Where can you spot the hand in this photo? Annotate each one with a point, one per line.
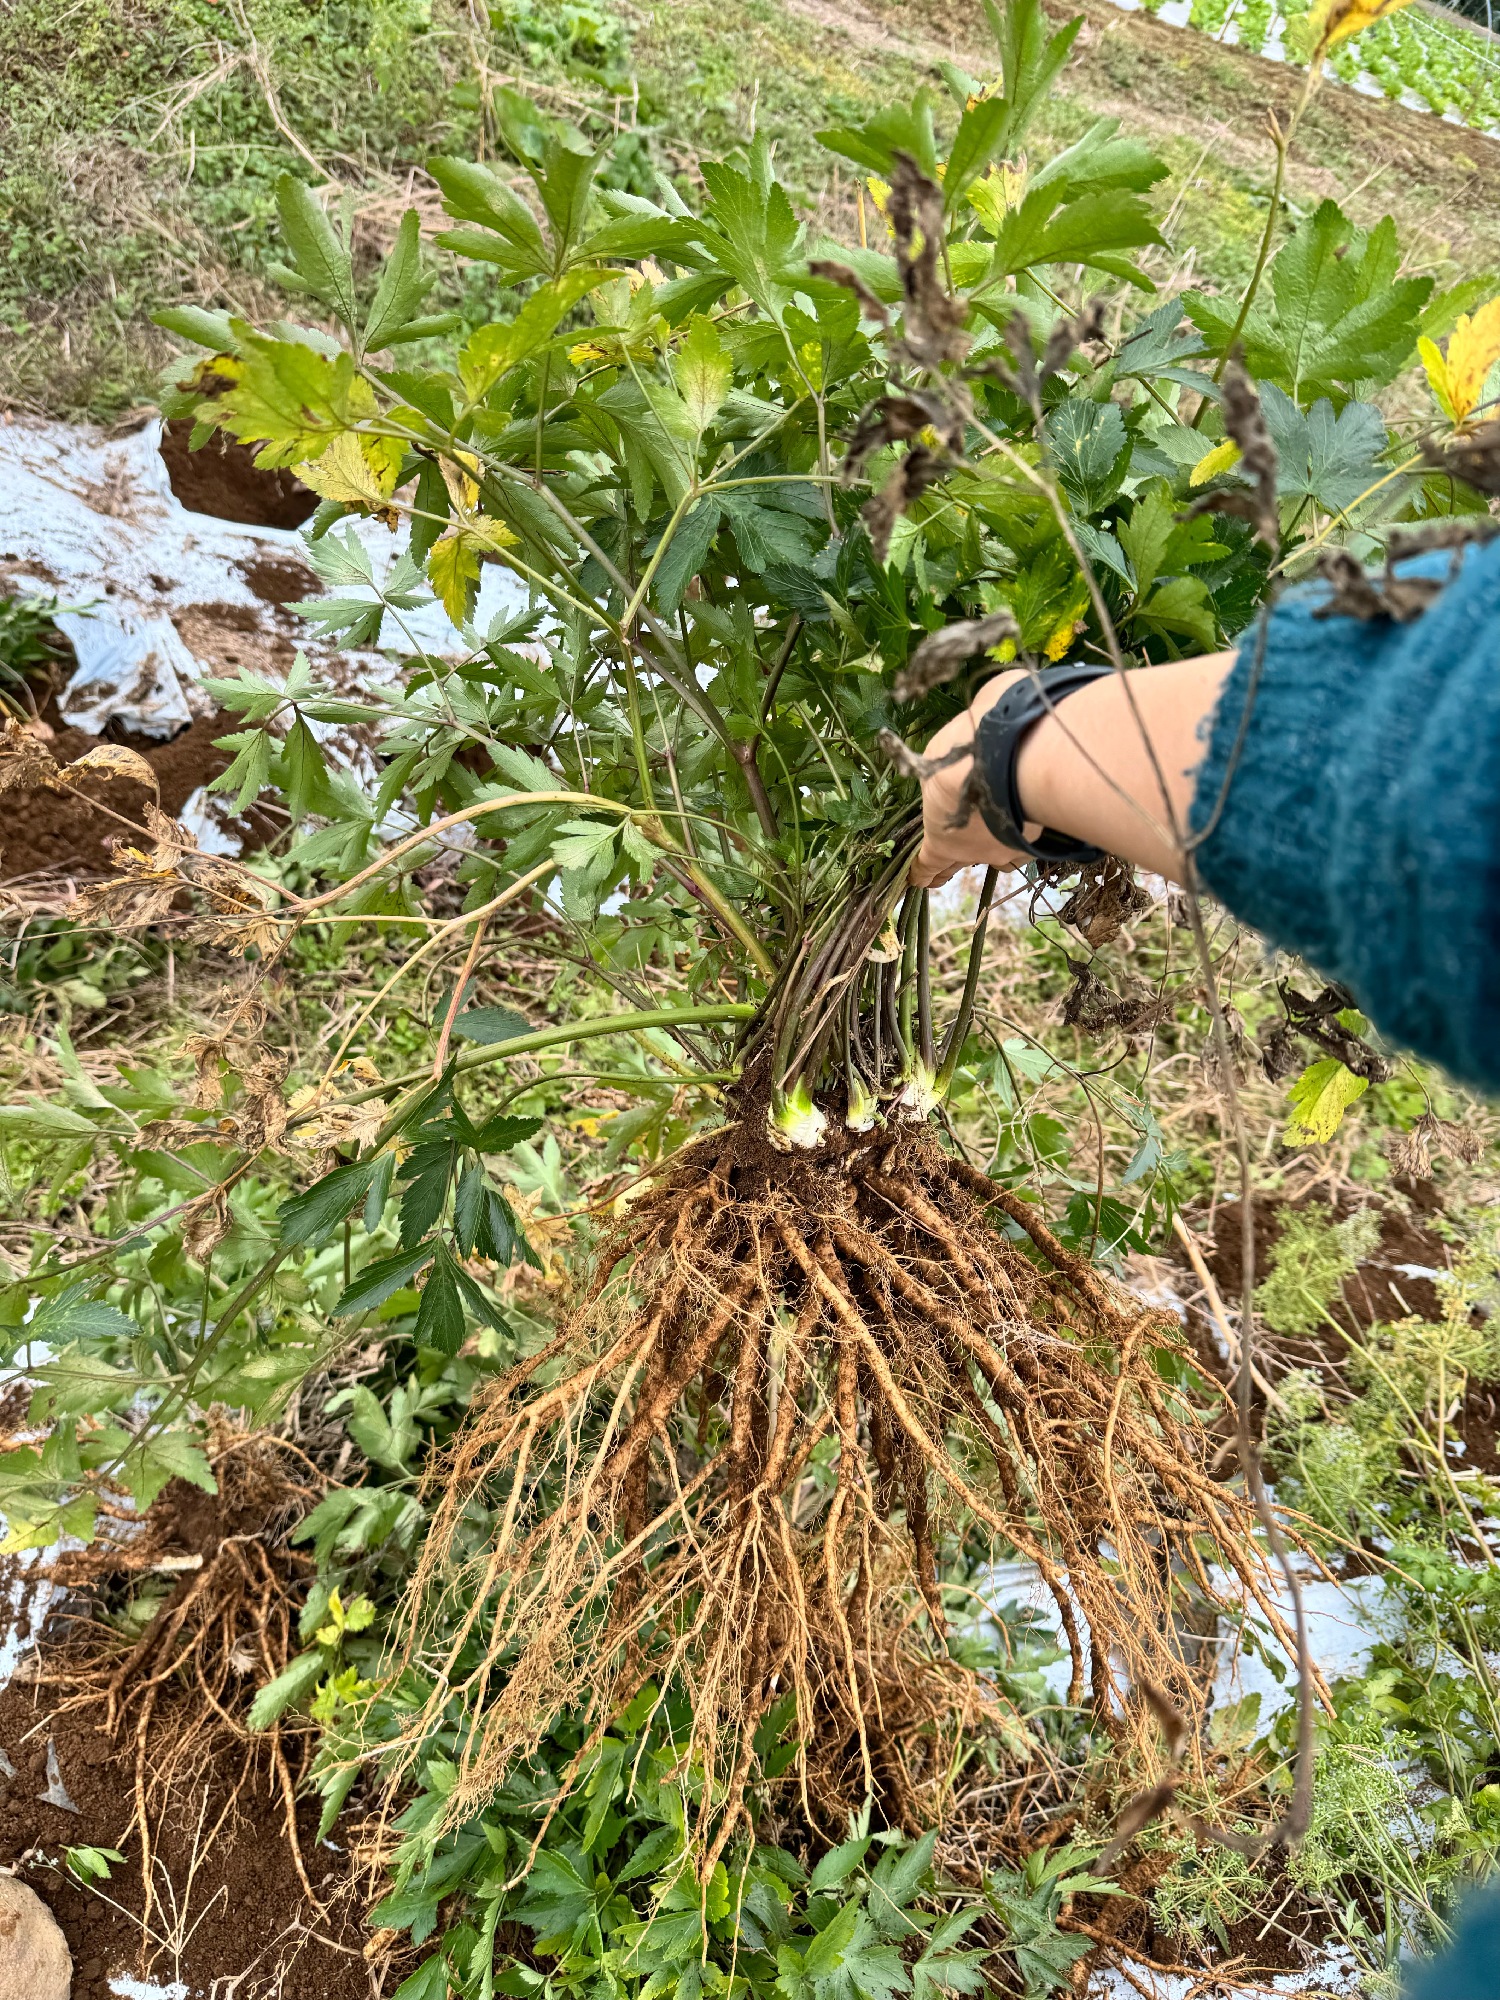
(945, 849)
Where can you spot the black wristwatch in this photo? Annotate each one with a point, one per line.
(997, 744)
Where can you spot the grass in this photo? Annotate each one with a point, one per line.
(141, 140)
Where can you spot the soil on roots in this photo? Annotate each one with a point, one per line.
(145, 1731)
(793, 1380)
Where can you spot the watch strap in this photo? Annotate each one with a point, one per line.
(997, 746)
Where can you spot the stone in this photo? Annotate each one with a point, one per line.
(35, 1963)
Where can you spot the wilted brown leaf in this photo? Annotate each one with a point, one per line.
(943, 654)
(26, 764)
(112, 760)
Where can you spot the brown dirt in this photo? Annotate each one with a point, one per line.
(280, 579)
(255, 1915)
(223, 480)
(227, 1900)
(52, 834)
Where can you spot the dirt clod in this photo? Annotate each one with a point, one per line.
(35, 1963)
(223, 480)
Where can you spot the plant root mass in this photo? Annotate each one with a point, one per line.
(792, 1382)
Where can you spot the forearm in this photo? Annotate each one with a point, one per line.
(1117, 764)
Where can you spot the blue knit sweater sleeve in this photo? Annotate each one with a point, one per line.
(1351, 794)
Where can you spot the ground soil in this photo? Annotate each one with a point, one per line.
(227, 1909)
(55, 836)
(239, 1906)
(223, 479)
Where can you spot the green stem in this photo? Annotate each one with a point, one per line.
(958, 1034)
(556, 1037)
(924, 979)
(908, 993)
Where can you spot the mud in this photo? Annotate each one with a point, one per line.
(223, 480)
(51, 835)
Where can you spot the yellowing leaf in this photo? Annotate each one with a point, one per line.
(354, 470)
(1002, 189)
(1061, 638)
(1336, 20)
(704, 371)
(1319, 1099)
(453, 571)
(463, 487)
(115, 761)
(453, 564)
(1457, 379)
(1223, 458)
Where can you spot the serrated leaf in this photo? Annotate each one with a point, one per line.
(402, 286)
(45, 1121)
(377, 1281)
(292, 1685)
(440, 1316)
(1319, 1098)
(355, 470)
(1458, 377)
(1088, 443)
(73, 1316)
(323, 260)
(703, 371)
(1332, 460)
(326, 1203)
(491, 1024)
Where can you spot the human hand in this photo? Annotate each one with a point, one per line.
(945, 848)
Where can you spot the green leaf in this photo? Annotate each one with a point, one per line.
(293, 1685)
(323, 260)
(475, 194)
(163, 1457)
(492, 351)
(214, 330)
(1091, 451)
(1051, 226)
(440, 1316)
(325, 1204)
(899, 129)
(1031, 58)
(36, 1120)
(703, 371)
(1337, 312)
(840, 1862)
(376, 1282)
(1332, 460)
(686, 553)
(388, 1440)
(402, 286)
(488, 1025)
(428, 1982)
(1319, 1098)
(72, 1315)
(981, 132)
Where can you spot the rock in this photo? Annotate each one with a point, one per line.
(34, 1960)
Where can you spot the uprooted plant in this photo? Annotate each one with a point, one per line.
(760, 500)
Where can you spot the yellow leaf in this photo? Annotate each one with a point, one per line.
(354, 470)
(1473, 350)
(1336, 20)
(1061, 638)
(1319, 1098)
(458, 477)
(1436, 365)
(453, 564)
(1223, 458)
(115, 761)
